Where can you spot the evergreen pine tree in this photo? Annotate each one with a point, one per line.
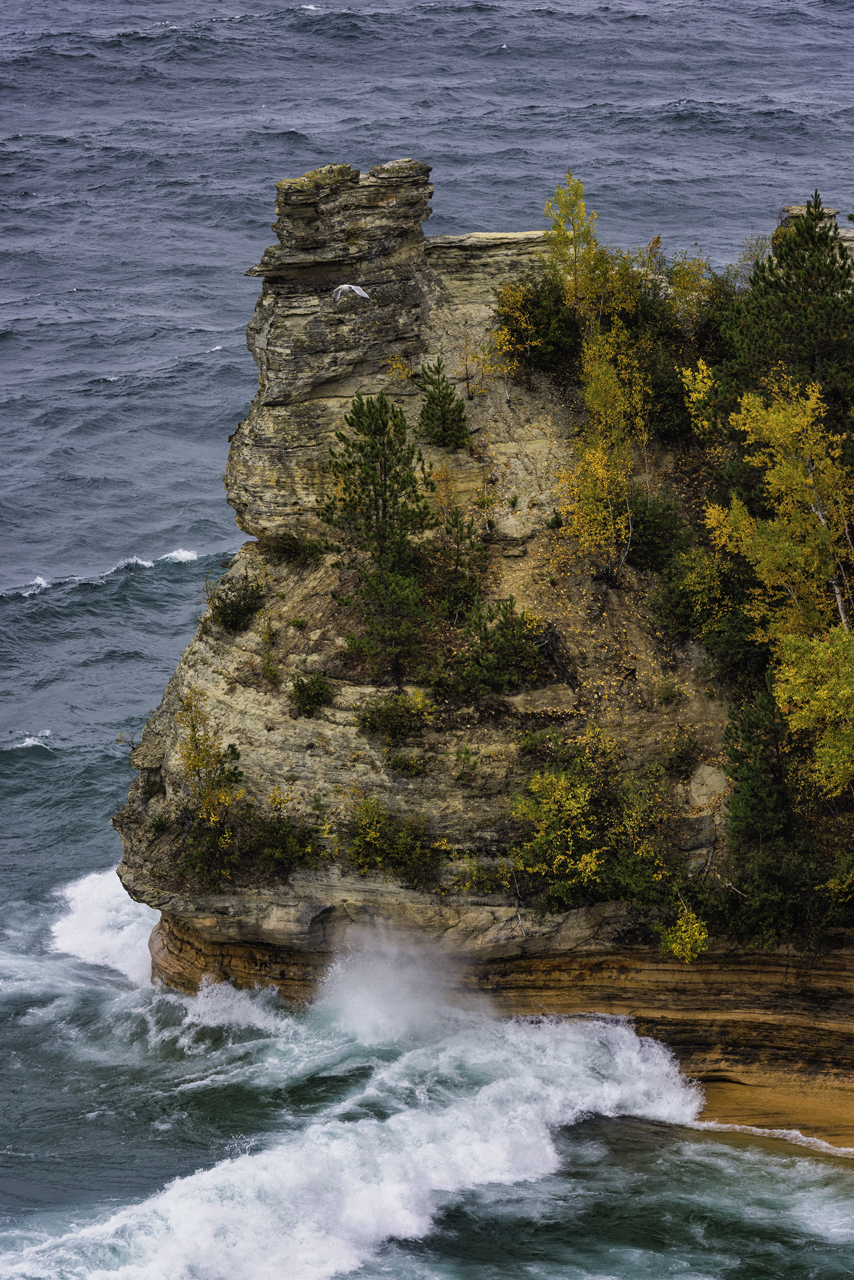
(798, 311)
(753, 745)
(378, 502)
(443, 414)
(376, 507)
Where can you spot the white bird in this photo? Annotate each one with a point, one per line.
(349, 288)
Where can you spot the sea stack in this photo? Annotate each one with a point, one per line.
(748, 1016)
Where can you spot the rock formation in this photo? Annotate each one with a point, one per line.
(730, 1014)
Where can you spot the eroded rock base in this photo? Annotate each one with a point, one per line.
(762, 1020)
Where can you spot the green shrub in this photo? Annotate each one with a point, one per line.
(668, 693)
(395, 717)
(705, 596)
(308, 694)
(293, 548)
(592, 832)
(543, 330)
(443, 415)
(158, 826)
(279, 840)
(453, 564)
(658, 532)
(233, 602)
(548, 744)
(467, 763)
(270, 672)
(381, 841)
(755, 748)
(409, 766)
(784, 891)
(683, 752)
(499, 652)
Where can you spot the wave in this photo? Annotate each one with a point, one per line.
(38, 584)
(180, 556)
(793, 1136)
(103, 926)
(34, 740)
(455, 1101)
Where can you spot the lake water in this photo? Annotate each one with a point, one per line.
(382, 1133)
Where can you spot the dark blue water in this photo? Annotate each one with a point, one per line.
(140, 145)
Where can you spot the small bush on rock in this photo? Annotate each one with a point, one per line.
(233, 602)
(657, 529)
(396, 717)
(499, 652)
(382, 841)
(308, 694)
(293, 548)
(592, 832)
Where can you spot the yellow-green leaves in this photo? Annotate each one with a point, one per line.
(556, 807)
(571, 239)
(688, 937)
(594, 503)
(815, 689)
(799, 551)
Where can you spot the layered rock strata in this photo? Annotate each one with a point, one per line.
(728, 1014)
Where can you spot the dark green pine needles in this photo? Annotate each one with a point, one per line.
(377, 503)
(799, 312)
(376, 507)
(443, 414)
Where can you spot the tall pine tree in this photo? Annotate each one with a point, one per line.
(799, 312)
(379, 479)
(754, 738)
(377, 505)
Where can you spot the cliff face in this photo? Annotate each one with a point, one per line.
(726, 1013)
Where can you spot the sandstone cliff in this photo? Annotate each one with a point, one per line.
(727, 1013)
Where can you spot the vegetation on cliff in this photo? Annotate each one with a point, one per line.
(749, 374)
(747, 549)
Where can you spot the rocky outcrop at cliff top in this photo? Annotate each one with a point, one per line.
(431, 297)
(336, 226)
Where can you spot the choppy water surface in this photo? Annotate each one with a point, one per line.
(384, 1132)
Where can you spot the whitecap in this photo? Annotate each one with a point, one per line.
(210, 349)
(180, 556)
(145, 564)
(38, 584)
(103, 926)
(34, 740)
(793, 1136)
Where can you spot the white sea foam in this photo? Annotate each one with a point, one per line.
(470, 1100)
(793, 1136)
(180, 556)
(34, 740)
(38, 584)
(145, 564)
(104, 926)
(389, 992)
